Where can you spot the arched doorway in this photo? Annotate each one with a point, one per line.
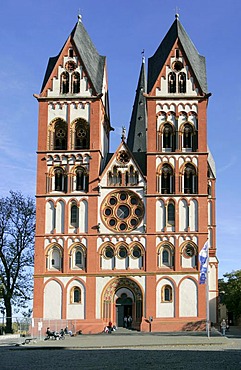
(123, 309)
(122, 296)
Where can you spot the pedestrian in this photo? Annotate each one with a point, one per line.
(223, 326)
(125, 322)
(129, 321)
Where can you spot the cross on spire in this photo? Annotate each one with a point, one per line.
(123, 136)
(143, 55)
(79, 16)
(177, 12)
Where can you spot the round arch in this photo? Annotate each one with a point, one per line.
(121, 297)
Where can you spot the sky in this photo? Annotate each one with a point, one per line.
(32, 31)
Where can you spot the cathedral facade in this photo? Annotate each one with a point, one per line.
(119, 234)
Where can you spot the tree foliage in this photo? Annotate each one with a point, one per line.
(230, 291)
(17, 228)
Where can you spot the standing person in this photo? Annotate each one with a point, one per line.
(223, 326)
(129, 321)
(110, 327)
(125, 322)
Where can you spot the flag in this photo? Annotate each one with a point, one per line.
(203, 258)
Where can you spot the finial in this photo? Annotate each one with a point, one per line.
(143, 55)
(177, 14)
(123, 136)
(79, 16)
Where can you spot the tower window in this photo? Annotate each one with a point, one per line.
(60, 136)
(171, 214)
(74, 215)
(82, 179)
(60, 180)
(71, 53)
(182, 82)
(172, 82)
(75, 83)
(190, 179)
(64, 83)
(177, 53)
(82, 134)
(168, 137)
(167, 180)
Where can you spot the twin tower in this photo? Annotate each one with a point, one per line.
(119, 234)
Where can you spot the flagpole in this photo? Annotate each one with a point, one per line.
(207, 295)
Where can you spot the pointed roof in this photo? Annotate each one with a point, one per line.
(93, 62)
(157, 61)
(136, 140)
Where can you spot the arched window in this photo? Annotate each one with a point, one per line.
(108, 252)
(167, 180)
(64, 83)
(60, 180)
(82, 179)
(168, 137)
(166, 293)
(190, 179)
(75, 295)
(189, 138)
(166, 256)
(132, 177)
(78, 258)
(54, 259)
(75, 83)
(136, 252)
(82, 135)
(171, 214)
(74, 215)
(122, 252)
(172, 82)
(60, 135)
(182, 82)
(114, 177)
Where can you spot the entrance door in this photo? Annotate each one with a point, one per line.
(123, 308)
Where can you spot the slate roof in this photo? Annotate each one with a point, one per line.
(211, 163)
(136, 139)
(157, 61)
(93, 62)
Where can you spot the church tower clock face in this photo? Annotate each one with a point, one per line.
(122, 211)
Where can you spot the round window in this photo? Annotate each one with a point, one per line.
(122, 211)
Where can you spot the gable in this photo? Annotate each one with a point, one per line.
(121, 165)
(88, 64)
(158, 60)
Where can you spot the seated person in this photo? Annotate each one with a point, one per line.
(66, 331)
(51, 333)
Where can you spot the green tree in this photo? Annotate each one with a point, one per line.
(17, 229)
(230, 291)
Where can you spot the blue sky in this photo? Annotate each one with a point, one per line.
(32, 31)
